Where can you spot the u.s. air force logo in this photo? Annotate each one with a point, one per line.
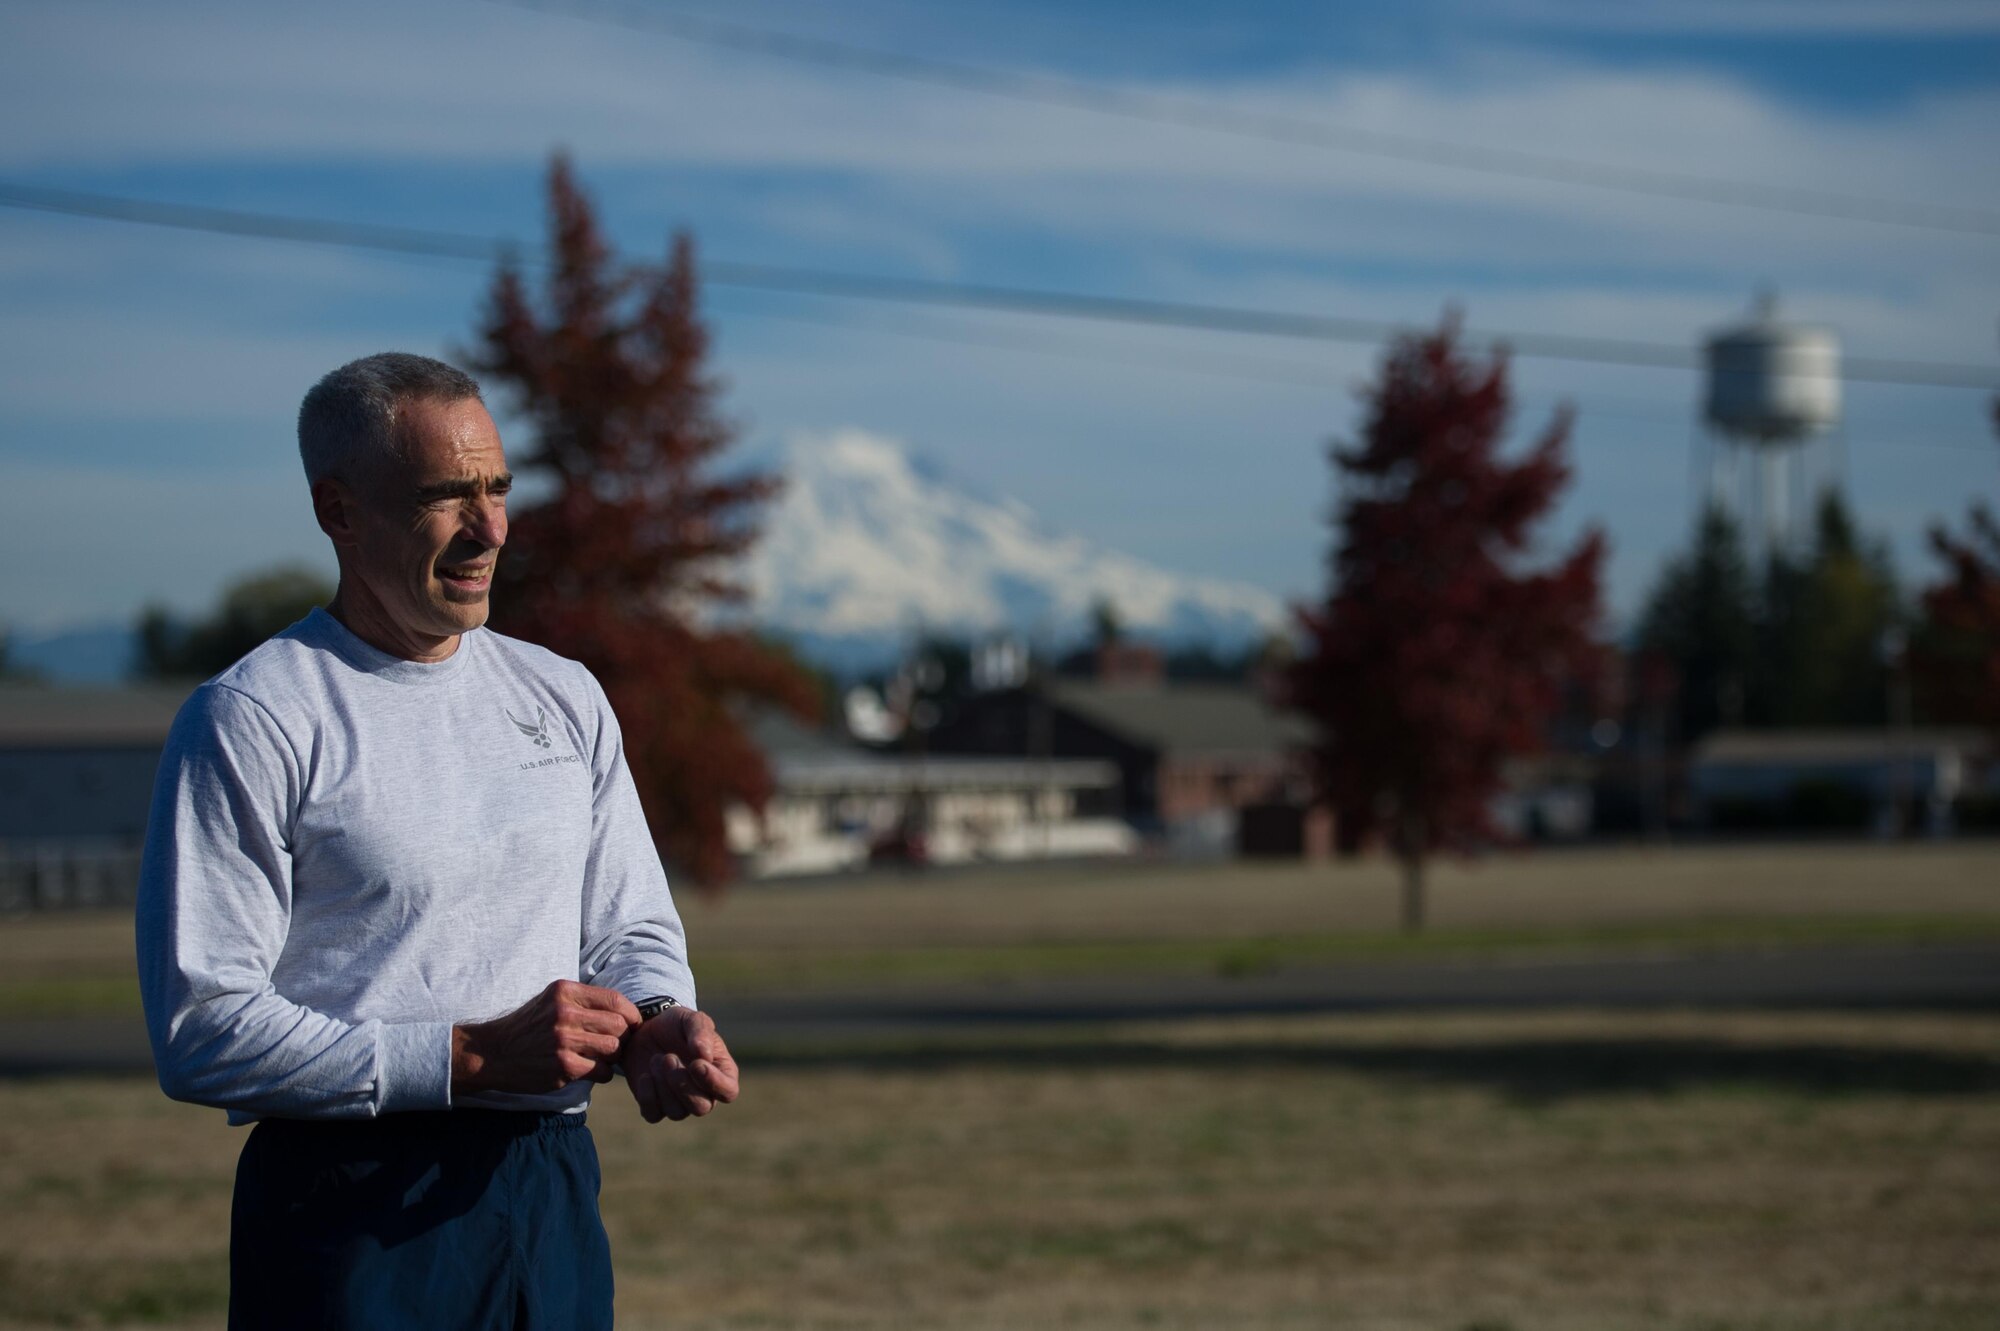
(538, 732)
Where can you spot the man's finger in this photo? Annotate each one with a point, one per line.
(680, 1085)
(716, 1079)
(604, 1000)
(671, 1104)
(594, 1044)
(596, 1019)
(647, 1092)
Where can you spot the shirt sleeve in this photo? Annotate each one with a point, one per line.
(633, 940)
(214, 910)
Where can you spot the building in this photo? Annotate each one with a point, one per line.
(76, 780)
(1189, 757)
(839, 806)
(1885, 779)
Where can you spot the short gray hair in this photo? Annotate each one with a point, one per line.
(347, 423)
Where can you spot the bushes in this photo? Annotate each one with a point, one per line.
(1816, 804)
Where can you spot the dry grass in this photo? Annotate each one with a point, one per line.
(1447, 1172)
(1559, 890)
(1560, 1171)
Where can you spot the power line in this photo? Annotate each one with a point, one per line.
(1216, 117)
(916, 291)
(1589, 410)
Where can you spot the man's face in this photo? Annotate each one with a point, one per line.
(429, 528)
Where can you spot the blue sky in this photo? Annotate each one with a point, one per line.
(148, 378)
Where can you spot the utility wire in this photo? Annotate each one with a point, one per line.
(1216, 117)
(1590, 411)
(916, 291)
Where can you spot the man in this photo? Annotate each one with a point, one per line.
(399, 907)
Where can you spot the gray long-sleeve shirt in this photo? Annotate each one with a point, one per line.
(349, 853)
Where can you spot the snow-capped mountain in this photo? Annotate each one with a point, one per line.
(868, 543)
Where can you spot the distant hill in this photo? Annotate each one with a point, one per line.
(869, 542)
(91, 655)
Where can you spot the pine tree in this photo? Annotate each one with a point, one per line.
(1701, 619)
(1438, 652)
(625, 563)
(1823, 621)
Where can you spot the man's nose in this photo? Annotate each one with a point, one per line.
(486, 521)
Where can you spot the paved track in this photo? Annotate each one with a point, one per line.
(1940, 978)
(1934, 978)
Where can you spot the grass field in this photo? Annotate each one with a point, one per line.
(1125, 918)
(1452, 1173)
(1444, 1172)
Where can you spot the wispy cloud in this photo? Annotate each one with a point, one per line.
(1881, 17)
(412, 114)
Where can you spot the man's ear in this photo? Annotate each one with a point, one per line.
(334, 508)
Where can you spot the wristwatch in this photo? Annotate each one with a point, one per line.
(653, 1007)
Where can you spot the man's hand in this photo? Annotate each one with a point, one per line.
(678, 1065)
(566, 1033)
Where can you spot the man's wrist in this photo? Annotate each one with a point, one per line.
(648, 1010)
(466, 1060)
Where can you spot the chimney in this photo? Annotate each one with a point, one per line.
(1130, 664)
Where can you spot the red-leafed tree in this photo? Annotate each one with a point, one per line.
(1956, 656)
(1438, 652)
(624, 563)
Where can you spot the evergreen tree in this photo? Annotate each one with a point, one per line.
(1799, 647)
(1823, 623)
(625, 564)
(1701, 620)
(1438, 653)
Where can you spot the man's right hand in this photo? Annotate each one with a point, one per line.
(566, 1033)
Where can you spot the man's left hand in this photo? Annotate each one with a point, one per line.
(677, 1065)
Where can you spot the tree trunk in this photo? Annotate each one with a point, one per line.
(1413, 892)
(1412, 845)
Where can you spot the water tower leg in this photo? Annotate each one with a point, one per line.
(1721, 479)
(1699, 468)
(1777, 515)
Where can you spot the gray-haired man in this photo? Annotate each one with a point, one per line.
(400, 907)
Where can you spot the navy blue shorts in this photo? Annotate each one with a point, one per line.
(469, 1218)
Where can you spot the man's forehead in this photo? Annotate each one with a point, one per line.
(450, 440)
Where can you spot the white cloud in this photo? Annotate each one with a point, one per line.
(101, 323)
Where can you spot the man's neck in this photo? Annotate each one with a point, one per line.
(363, 616)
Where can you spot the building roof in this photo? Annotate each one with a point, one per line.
(1816, 747)
(35, 716)
(1186, 719)
(785, 738)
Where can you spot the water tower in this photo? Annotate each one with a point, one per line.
(1773, 388)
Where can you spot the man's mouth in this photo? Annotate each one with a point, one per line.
(466, 577)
